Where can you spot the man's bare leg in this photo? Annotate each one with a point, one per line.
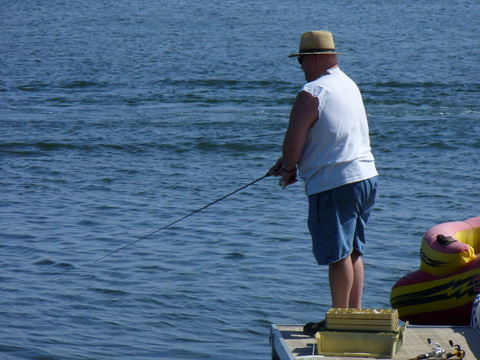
(346, 282)
(355, 300)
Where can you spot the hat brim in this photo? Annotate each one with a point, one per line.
(318, 53)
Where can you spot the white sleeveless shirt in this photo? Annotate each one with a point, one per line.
(337, 150)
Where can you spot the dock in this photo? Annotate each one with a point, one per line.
(289, 343)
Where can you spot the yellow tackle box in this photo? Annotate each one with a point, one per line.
(362, 319)
(369, 333)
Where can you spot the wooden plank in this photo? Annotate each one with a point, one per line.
(280, 349)
(298, 345)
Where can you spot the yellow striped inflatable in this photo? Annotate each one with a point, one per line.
(442, 291)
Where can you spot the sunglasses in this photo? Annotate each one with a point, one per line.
(300, 60)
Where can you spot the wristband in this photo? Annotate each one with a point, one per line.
(289, 171)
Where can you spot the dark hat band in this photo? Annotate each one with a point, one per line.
(315, 50)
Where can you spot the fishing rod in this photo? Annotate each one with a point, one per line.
(182, 218)
(438, 353)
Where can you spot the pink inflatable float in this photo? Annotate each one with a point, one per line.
(443, 290)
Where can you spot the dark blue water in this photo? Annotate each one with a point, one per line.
(119, 117)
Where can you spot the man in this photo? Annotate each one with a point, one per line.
(328, 141)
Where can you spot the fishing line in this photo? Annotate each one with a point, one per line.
(182, 218)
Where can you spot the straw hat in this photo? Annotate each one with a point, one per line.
(316, 43)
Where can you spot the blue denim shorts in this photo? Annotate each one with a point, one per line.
(337, 220)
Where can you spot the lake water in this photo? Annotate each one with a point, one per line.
(119, 117)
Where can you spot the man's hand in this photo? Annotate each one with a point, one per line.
(288, 177)
(277, 168)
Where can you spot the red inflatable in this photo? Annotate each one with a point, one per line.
(442, 291)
